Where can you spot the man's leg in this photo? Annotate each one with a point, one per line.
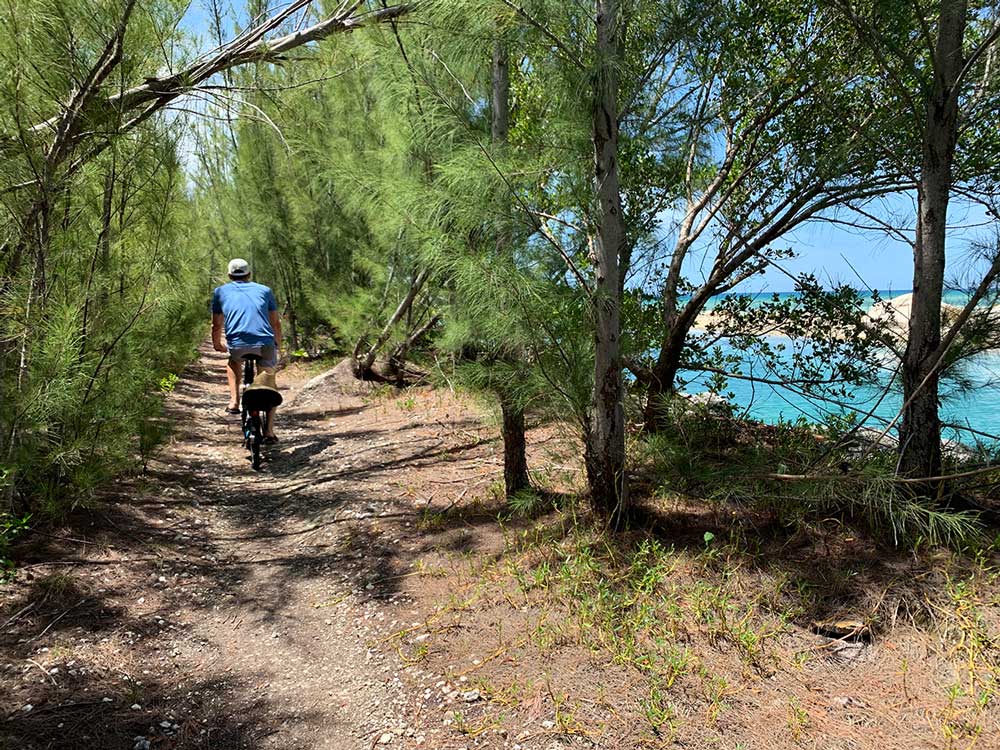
(233, 373)
(270, 422)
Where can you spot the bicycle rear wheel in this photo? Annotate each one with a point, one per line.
(246, 418)
(256, 441)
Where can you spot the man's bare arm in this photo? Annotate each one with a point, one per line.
(276, 327)
(217, 342)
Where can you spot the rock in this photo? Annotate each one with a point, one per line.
(548, 724)
(705, 398)
(135, 707)
(957, 450)
(471, 696)
(141, 743)
(339, 380)
(386, 738)
(26, 707)
(708, 402)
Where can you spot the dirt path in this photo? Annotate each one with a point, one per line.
(226, 609)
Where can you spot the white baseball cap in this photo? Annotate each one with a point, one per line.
(239, 267)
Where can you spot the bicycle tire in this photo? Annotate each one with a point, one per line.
(256, 441)
(255, 457)
(246, 419)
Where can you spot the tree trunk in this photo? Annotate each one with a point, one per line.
(920, 430)
(100, 260)
(363, 364)
(605, 449)
(293, 324)
(515, 459)
(500, 123)
(397, 360)
(676, 327)
(663, 374)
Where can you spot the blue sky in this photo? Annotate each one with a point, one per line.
(872, 258)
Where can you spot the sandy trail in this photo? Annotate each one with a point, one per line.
(222, 608)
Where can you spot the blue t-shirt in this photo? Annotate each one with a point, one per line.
(245, 306)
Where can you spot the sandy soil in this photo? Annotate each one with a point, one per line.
(894, 313)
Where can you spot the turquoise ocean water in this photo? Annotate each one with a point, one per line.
(977, 406)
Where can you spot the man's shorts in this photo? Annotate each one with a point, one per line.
(268, 355)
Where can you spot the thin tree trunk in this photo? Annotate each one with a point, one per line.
(293, 325)
(920, 430)
(363, 364)
(397, 360)
(663, 375)
(605, 449)
(500, 123)
(99, 261)
(515, 460)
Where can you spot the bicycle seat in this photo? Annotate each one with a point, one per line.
(252, 357)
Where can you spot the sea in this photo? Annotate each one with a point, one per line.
(971, 408)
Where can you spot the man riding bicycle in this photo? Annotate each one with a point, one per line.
(249, 313)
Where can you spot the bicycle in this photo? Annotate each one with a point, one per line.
(256, 403)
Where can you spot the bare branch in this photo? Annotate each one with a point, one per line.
(240, 52)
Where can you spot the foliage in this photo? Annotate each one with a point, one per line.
(99, 279)
(11, 527)
(800, 472)
(819, 341)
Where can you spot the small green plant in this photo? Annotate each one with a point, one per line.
(168, 382)
(526, 503)
(55, 584)
(134, 691)
(659, 711)
(798, 718)
(11, 527)
(419, 653)
(716, 690)
(471, 729)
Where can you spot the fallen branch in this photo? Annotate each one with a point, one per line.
(899, 480)
(236, 53)
(17, 616)
(49, 626)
